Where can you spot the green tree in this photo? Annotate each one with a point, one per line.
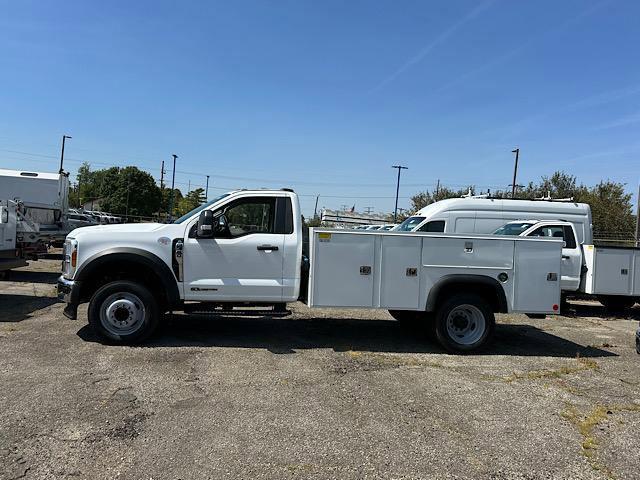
(193, 199)
(422, 199)
(128, 190)
(611, 210)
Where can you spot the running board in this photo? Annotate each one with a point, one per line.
(217, 310)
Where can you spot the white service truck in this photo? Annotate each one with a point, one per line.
(11, 254)
(43, 204)
(242, 254)
(609, 273)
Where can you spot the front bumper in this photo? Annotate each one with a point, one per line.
(68, 292)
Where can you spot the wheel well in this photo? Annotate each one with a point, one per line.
(492, 293)
(123, 270)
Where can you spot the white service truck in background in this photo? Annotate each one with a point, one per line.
(11, 255)
(40, 204)
(609, 273)
(242, 254)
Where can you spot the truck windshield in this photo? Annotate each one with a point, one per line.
(409, 224)
(200, 208)
(515, 228)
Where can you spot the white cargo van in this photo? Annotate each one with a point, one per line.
(485, 215)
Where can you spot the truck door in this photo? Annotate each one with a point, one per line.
(571, 265)
(242, 264)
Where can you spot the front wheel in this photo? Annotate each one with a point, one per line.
(464, 322)
(123, 311)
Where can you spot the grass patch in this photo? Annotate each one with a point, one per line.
(586, 425)
(392, 360)
(583, 364)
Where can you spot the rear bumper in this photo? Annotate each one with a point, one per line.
(68, 292)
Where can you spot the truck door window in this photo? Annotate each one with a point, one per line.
(253, 215)
(552, 231)
(569, 237)
(433, 226)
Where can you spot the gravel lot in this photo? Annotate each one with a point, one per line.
(321, 394)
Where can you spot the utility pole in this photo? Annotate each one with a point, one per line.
(438, 188)
(173, 182)
(315, 209)
(78, 185)
(126, 211)
(162, 176)
(514, 185)
(638, 218)
(395, 211)
(64, 137)
(206, 191)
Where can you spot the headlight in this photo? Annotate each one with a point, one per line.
(70, 258)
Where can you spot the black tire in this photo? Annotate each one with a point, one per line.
(617, 303)
(126, 299)
(475, 321)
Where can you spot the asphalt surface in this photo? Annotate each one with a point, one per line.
(321, 394)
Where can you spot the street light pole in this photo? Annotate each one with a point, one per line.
(206, 192)
(173, 181)
(64, 137)
(514, 185)
(395, 210)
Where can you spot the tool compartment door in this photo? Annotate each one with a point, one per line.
(537, 276)
(342, 269)
(613, 271)
(400, 272)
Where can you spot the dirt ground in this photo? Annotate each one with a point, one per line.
(321, 394)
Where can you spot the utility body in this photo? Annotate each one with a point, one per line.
(242, 254)
(609, 273)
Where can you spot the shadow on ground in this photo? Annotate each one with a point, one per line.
(26, 276)
(282, 336)
(51, 256)
(15, 308)
(592, 309)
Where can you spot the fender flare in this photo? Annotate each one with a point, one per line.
(467, 279)
(133, 255)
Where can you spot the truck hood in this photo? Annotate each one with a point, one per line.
(123, 228)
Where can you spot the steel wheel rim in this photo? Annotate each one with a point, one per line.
(122, 313)
(466, 324)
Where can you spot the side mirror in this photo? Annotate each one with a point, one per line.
(222, 224)
(4, 215)
(205, 224)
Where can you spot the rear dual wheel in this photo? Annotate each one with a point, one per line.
(464, 323)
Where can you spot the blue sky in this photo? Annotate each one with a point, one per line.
(324, 96)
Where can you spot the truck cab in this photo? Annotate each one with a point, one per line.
(243, 246)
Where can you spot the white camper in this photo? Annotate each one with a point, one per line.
(485, 215)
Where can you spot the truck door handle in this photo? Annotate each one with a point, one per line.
(267, 247)
(566, 257)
